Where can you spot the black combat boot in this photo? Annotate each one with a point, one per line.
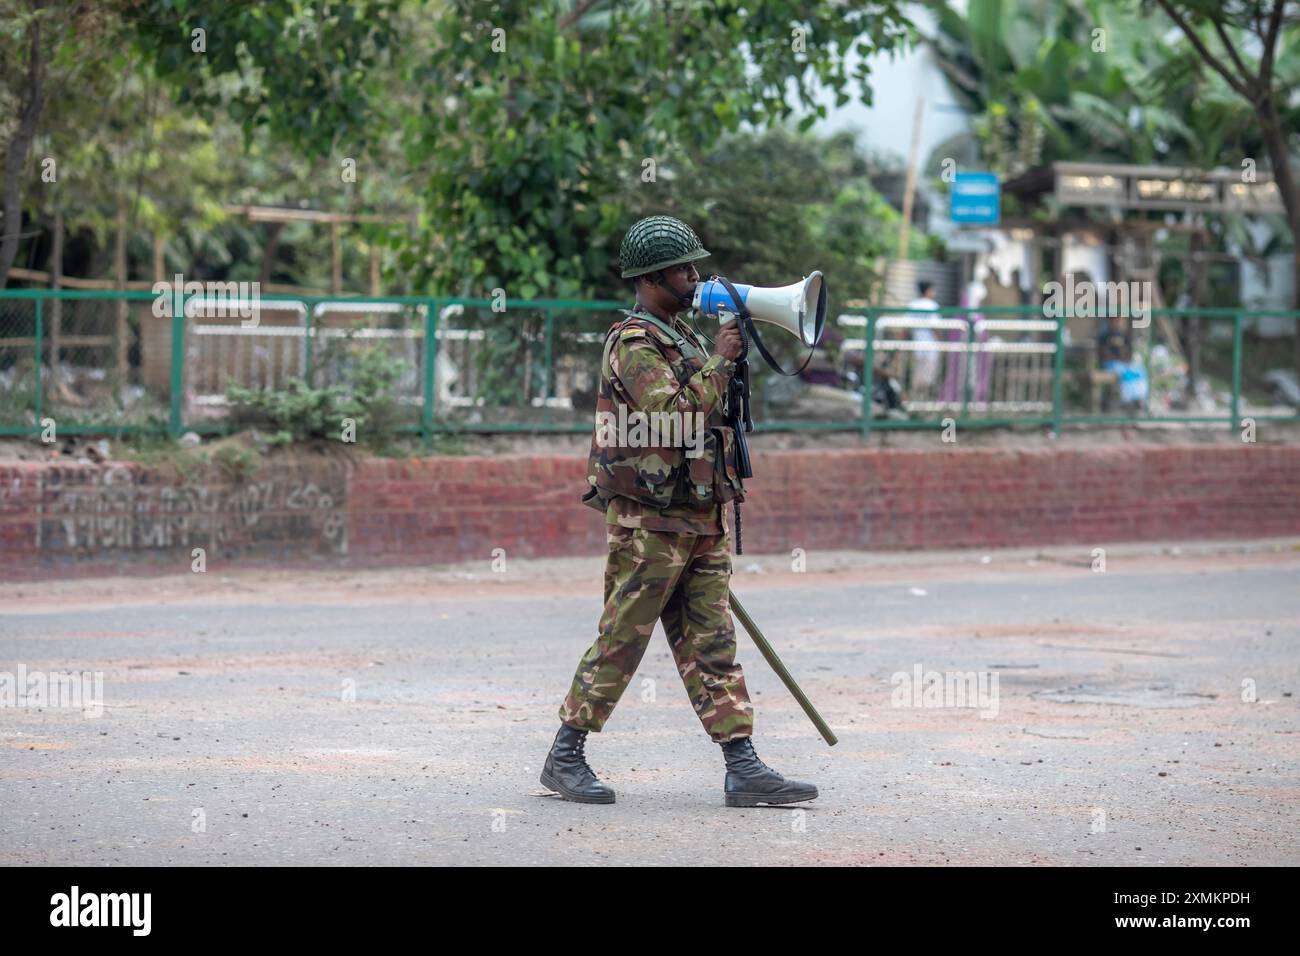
(751, 782)
(566, 771)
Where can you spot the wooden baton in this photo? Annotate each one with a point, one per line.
(776, 665)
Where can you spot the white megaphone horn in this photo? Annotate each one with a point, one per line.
(799, 308)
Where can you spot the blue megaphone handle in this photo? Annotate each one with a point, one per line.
(714, 296)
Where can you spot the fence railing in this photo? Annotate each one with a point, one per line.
(122, 362)
(1020, 366)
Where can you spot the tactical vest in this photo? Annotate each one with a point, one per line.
(660, 475)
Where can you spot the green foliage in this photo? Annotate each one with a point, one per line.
(1096, 80)
(773, 207)
(770, 207)
(518, 151)
(541, 126)
(296, 413)
(300, 412)
(237, 461)
(310, 70)
(159, 450)
(1058, 79)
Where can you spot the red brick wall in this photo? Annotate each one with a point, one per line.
(62, 519)
(455, 509)
(68, 519)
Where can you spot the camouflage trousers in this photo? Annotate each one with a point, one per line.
(683, 581)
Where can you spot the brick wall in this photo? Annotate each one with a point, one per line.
(67, 519)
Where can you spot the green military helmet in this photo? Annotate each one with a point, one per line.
(657, 242)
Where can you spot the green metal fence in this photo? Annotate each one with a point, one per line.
(135, 362)
(1079, 366)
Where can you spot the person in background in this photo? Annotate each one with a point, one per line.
(954, 380)
(925, 362)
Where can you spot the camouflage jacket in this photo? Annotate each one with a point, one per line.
(662, 454)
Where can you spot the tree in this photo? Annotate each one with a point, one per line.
(776, 206)
(545, 114)
(47, 47)
(1251, 45)
(522, 125)
(316, 87)
(312, 71)
(1052, 79)
(522, 122)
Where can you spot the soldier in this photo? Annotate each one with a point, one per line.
(664, 504)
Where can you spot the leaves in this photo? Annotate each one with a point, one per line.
(566, 141)
(310, 69)
(1120, 104)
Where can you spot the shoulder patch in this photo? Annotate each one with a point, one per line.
(658, 334)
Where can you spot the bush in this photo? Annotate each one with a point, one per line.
(300, 412)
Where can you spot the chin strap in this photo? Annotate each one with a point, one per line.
(684, 299)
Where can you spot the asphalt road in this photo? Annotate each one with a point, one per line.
(402, 717)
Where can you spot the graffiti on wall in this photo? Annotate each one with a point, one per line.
(120, 508)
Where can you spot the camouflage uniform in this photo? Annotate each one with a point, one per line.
(669, 544)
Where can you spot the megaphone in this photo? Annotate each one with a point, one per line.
(799, 308)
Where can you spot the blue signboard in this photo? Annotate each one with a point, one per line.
(977, 198)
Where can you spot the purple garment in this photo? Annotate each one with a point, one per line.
(954, 379)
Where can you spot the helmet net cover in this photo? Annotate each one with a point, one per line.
(657, 242)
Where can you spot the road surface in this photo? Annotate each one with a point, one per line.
(1144, 714)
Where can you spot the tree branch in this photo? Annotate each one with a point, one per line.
(1232, 51)
(1270, 44)
(576, 14)
(1237, 84)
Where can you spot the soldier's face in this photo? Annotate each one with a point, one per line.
(682, 279)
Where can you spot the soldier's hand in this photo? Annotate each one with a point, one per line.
(727, 344)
